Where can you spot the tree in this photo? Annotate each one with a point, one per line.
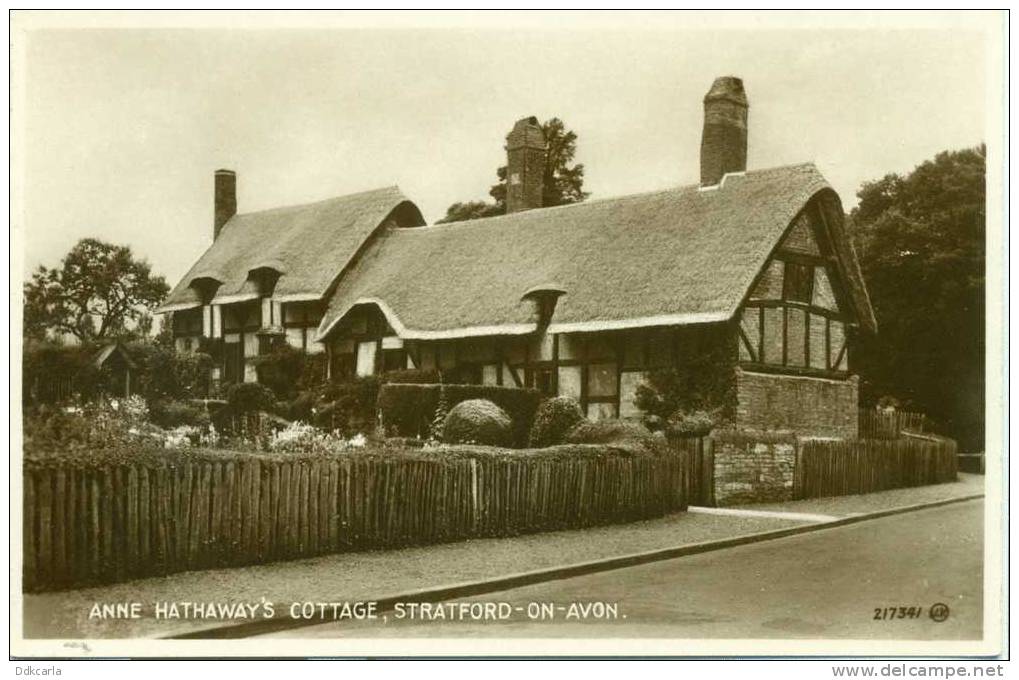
(98, 292)
(921, 244)
(563, 183)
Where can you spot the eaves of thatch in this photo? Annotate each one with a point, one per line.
(309, 245)
(678, 256)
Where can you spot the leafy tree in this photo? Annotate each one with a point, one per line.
(921, 241)
(97, 292)
(563, 183)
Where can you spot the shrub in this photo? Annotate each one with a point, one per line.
(404, 407)
(610, 432)
(412, 376)
(704, 381)
(407, 409)
(348, 406)
(692, 424)
(477, 421)
(249, 398)
(171, 413)
(553, 420)
(281, 369)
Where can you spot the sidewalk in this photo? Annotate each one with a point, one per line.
(373, 575)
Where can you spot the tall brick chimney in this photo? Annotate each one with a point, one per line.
(724, 140)
(525, 165)
(224, 200)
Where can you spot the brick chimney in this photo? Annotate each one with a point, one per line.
(225, 200)
(525, 165)
(724, 140)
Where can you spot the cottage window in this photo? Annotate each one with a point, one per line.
(799, 282)
(570, 381)
(394, 359)
(601, 380)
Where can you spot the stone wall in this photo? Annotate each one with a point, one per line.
(805, 406)
(753, 468)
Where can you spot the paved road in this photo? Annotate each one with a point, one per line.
(826, 584)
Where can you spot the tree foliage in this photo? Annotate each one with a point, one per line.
(99, 291)
(921, 242)
(563, 182)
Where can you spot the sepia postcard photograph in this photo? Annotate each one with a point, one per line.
(514, 334)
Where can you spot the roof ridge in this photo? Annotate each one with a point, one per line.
(308, 204)
(605, 199)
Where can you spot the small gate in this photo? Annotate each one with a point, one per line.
(700, 469)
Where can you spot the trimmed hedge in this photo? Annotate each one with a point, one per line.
(553, 421)
(407, 409)
(477, 421)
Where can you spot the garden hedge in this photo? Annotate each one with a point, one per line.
(407, 409)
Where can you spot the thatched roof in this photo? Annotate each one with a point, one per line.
(309, 245)
(678, 256)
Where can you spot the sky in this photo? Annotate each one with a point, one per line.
(124, 128)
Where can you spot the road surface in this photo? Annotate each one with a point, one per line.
(826, 584)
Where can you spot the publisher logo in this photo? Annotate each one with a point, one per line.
(939, 612)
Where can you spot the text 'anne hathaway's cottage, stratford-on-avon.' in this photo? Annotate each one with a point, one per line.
(577, 300)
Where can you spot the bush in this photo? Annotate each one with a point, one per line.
(169, 413)
(692, 424)
(412, 376)
(610, 432)
(250, 397)
(553, 420)
(704, 381)
(348, 407)
(405, 408)
(477, 421)
(281, 369)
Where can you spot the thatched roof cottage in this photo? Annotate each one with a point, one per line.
(580, 300)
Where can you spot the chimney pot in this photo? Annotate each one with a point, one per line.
(724, 139)
(525, 165)
(224, 200)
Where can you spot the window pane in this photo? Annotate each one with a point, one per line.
(570, 381)
(795, 337)
(799, 280)
(601, 380)
(772, 348)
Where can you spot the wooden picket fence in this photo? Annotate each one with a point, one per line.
(87, 524)
(837, 468)
(874, 424)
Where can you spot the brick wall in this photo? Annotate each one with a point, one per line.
(753, 469)
(805, 406)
